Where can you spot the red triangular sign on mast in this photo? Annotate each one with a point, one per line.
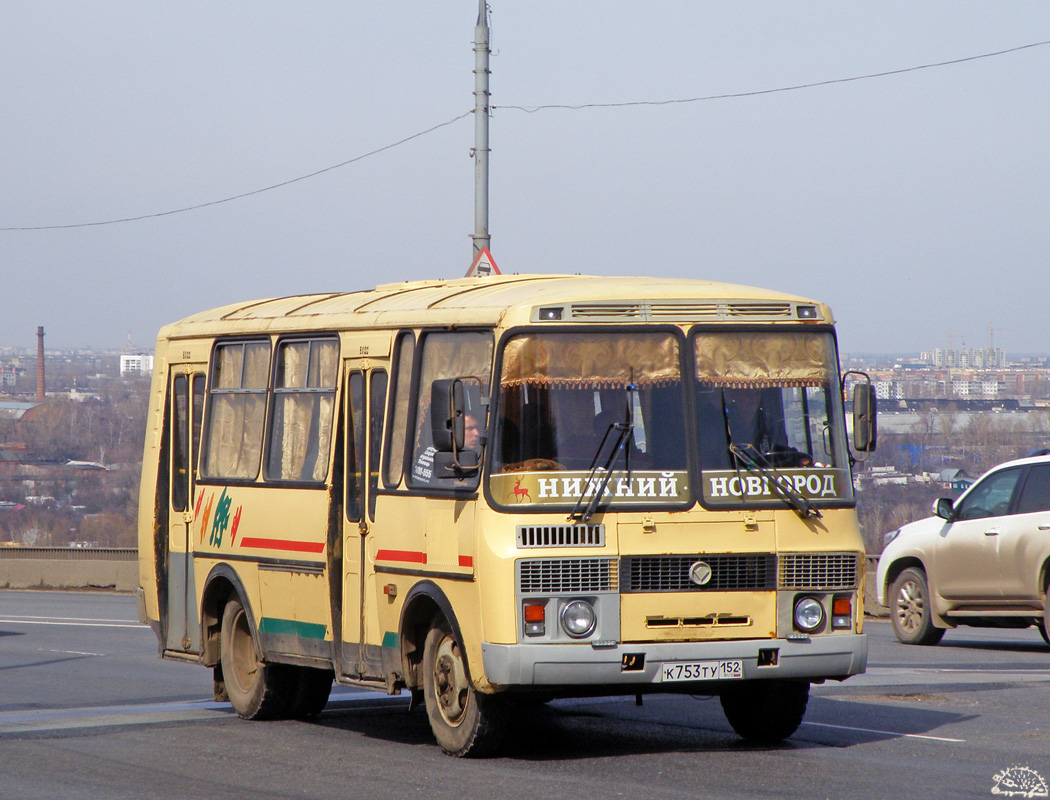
(483, 265)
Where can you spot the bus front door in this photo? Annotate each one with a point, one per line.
(365, 408)
(186, 404)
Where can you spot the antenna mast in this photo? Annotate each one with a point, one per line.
(481, 131)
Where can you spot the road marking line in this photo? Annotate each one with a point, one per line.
(75, 619)
(10, 621)
(69, 652)
(886, 733)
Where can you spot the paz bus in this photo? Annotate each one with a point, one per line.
(507, 488)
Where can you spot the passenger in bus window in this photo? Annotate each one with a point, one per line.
(423, 469)
(755, 423)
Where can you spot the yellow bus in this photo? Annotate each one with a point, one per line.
(506, 487)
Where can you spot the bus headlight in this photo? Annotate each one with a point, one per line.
(578, 619)
(809, 614)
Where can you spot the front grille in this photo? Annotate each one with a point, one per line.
(561, 535)
(729, 572)
(566, 575)
(819, 571)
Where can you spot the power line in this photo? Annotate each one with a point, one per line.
(793, 88)
(530, 110)
(245, 194)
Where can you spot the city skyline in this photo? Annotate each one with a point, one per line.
(887, 159)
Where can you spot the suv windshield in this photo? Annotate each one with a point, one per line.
(562, 394)
(768, 409)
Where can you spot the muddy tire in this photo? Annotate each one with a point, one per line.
(464, 722)
(308, 690)
(910, 609)
(766, 711)
(254, 687)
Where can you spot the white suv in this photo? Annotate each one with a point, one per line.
(983, 560)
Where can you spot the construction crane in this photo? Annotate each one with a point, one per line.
(991, 335)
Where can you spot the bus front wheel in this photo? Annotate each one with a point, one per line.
(766, 711)
(465, 723)
(253, 686)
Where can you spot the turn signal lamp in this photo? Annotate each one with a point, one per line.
(535, 615)
(842, 612)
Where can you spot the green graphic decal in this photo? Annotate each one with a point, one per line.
(222, 520)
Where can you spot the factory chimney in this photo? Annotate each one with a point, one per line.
(40, 364)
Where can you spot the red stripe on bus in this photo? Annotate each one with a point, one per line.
(283, 544)
(412, 556)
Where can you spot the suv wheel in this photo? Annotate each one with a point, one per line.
(910, 609)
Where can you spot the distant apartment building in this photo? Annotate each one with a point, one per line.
(972, 358)
(136, 364)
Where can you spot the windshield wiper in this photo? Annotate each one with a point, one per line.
(619, 434)
(791, 496)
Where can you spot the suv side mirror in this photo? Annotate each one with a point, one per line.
(447, 424)
(944, 508)
(865, 419)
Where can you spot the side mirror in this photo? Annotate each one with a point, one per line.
(865, 418)
(944, 508)
(446, 415)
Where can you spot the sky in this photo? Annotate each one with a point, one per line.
(915, 204)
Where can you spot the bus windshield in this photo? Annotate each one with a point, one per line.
(768, 420)
(769, 415)
(563, 394)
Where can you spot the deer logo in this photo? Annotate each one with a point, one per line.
(521, 492)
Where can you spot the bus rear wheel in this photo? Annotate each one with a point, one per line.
(253, 686)
(308, 690)
(464, 722)
(766, 711)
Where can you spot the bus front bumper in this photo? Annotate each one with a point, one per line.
(835, 656)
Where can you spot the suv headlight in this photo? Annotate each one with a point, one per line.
(889, 537)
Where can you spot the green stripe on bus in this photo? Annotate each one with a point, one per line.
(291, 627)
(389, 639)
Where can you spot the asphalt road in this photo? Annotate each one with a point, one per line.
(87, 710)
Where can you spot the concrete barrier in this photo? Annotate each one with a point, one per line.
(116, 569)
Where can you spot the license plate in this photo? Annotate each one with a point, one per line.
(701, 670)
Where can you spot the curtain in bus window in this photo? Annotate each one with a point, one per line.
(561, 393)
(594, 360)
(755, 359)
(238, 409)
(304, 401)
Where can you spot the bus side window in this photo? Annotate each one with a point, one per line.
(355, 446)
(303, 406)
(397, 433)
(465, 355)
(233, 434)
(180, 444)
(376, 410)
